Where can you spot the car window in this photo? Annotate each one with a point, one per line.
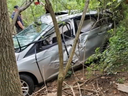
(43, 43)
(37, 47)
(49, 39)
(28, 35)
(65, 31)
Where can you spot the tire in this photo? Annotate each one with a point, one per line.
(27, 84)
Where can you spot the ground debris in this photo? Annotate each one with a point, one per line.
(122, 87)
(101, 85)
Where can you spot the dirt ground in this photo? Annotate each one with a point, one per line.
(82, 84)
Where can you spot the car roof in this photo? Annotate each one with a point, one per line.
(62, 17)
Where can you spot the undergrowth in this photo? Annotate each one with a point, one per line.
(115, 58)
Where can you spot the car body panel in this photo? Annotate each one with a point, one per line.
(28, 65)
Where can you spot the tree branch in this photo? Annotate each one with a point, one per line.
(60, 77)
(76, 39)
(20, 10)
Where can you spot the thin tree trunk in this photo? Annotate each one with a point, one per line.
(62, 73)
(76, 38)
(9, 79)
(60, 77)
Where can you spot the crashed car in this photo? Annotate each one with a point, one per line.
(36, 47)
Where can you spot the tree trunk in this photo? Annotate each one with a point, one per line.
(62, 72)
(68, 65)
(126, 1)
(60, 77)
(9, 78)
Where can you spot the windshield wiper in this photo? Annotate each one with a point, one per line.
(18, 42)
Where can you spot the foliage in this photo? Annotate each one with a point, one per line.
(94, 4)
(121, 80)
(35, 11)
(30, 14)
(114, 59)
(69, 73)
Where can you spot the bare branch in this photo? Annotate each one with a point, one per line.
(60, 77)
(76, 38)
(26, 5)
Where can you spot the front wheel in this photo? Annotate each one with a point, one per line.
(27, 84)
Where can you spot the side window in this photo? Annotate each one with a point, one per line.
(49, 39)
(38, 47)
(43, 43)
(31, 51)
(66, 31)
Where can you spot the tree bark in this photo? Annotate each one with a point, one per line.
(9, 79)
(76, 38)
(60, 76)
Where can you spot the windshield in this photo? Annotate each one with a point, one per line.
(28, 35)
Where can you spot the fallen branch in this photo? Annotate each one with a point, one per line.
(87, 81)
(71, 89)
(89, 90)
(37, 92)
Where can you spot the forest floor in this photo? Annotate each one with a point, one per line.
(82, 84)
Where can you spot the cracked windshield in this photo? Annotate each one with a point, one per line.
(28, 35)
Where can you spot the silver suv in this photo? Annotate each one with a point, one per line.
(36, 47)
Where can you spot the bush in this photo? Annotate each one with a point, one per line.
(114, 59)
